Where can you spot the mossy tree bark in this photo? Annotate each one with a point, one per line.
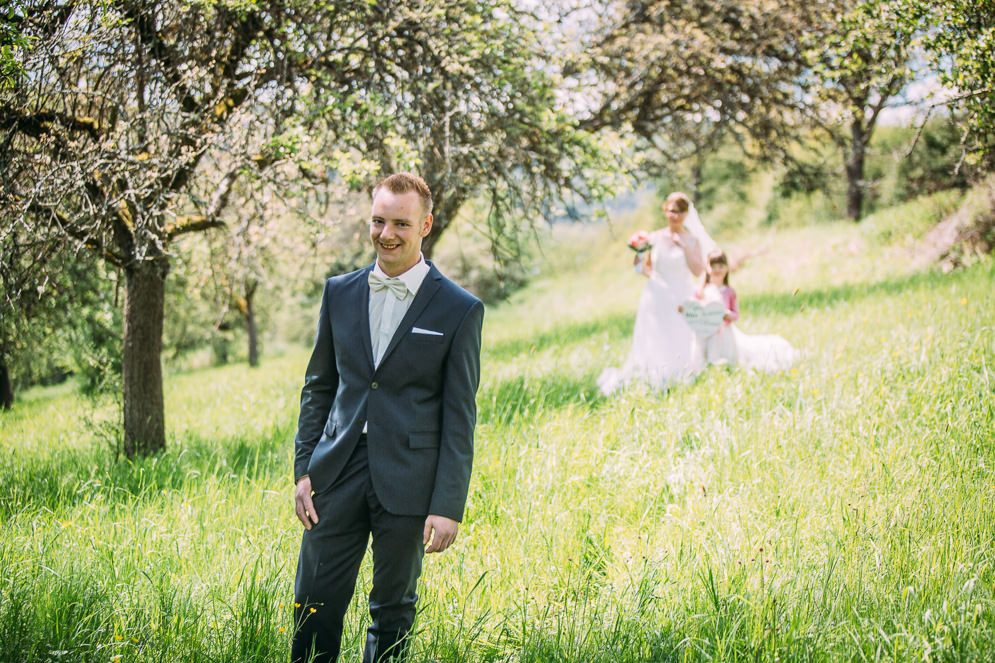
(141, 365)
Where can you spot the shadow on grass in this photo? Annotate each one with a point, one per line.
(619, 324)
(524, 396)
(788, 303)
(68, 477)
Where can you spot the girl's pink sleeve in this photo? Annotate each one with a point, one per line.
(731, 304)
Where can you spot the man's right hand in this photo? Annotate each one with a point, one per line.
(303, 504)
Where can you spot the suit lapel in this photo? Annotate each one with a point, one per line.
(364, 315)
(428, 288)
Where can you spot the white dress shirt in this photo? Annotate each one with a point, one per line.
(386, 310)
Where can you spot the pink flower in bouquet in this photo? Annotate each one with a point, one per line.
(639, 241)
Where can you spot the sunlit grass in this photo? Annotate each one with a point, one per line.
(840, 510)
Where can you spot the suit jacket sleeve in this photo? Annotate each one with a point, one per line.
(459, 416)
(320, 385)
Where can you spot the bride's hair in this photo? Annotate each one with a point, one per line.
(681, 199)
(717, 257)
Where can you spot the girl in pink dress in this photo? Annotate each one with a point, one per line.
(728, 345)
(720, 347)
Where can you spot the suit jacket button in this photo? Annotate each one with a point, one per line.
(374, 386)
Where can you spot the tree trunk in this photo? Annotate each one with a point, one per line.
(428, 242)
(439, 225)
(696, 179)
(447, 205)
(251, 327)
(855, 172)
(6, 389)
(141, 364)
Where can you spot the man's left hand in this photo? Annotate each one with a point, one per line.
(441, 532)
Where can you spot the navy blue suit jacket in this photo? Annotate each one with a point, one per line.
(420, 402)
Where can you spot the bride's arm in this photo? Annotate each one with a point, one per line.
(692, 255)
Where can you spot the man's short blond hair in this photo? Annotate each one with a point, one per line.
(403, 182)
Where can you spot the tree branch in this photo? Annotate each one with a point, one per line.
(88, 240)
(43, 123)
(190, 224)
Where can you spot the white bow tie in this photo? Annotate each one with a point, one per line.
(392, 283)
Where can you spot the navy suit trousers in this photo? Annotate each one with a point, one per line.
(331, 553)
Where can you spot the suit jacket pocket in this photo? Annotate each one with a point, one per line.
(428, 339)
(423, 441)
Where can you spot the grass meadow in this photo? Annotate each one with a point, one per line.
(840, 511)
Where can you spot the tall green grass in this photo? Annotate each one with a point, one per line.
(837, 511)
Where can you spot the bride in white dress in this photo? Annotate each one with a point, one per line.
(664, 349)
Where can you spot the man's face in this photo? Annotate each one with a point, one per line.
(397, 225)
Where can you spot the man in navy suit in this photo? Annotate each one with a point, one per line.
(385, 437)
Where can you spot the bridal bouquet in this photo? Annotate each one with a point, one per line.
(639, 241)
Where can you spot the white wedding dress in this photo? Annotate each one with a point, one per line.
(664, 349)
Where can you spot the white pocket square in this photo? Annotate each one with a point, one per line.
(419, 330)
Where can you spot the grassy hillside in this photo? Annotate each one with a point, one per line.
(842, 510)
